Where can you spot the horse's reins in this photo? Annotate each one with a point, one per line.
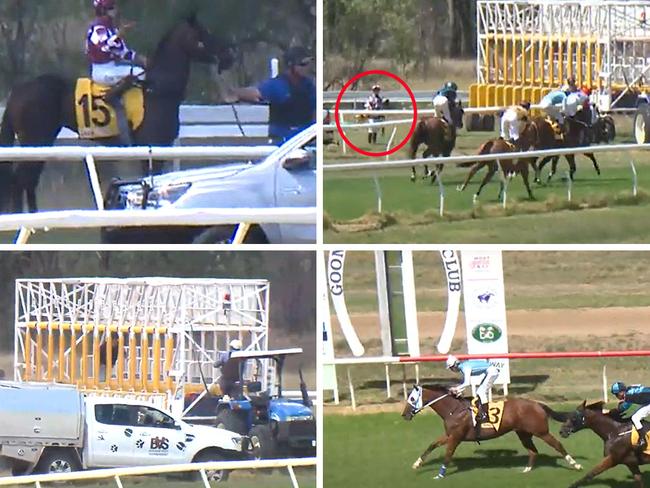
(418, 410)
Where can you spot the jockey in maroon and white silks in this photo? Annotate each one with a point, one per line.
(109, 57)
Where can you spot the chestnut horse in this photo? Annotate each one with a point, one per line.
(576, 134)
(430, 131)
(510, 167)
(616, 436)
(526, 418)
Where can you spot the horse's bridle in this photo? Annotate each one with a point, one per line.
(417, 410)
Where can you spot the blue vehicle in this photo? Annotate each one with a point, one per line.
(276, 425)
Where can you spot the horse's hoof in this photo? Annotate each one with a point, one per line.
(538, 181)
(412, 178)
(527, 469)
(475, 199)
(417, 464)
(577, 467)
(460, 188)
(438, 477)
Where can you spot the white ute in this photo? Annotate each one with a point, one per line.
(54, 428)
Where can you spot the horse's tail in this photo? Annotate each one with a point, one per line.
(559, 416)
(7, 132)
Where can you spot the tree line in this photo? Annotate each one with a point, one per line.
(409, 33)
(42, 36)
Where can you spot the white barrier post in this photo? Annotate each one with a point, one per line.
(343, 143)
(386, 366)
(275, 67)
(569, 185)
(378, 193)
(94, 181)
(605, 383)
(441, 189)
(351, 387)
(634, 179)
(504, 182)
(390, 142)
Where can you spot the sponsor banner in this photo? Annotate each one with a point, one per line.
(451, 265)
(335, 266)
(485, 307)
(328, 375)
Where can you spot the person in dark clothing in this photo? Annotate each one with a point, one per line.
(291, 96)
(231, 370)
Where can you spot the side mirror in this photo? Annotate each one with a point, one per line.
(296, 159)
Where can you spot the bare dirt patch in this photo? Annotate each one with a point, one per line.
(580, 323)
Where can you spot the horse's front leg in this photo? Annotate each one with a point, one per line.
(473, 170)
(437, 443)
(452, 444)
(636, 473)
(413, 174)
(604, 465)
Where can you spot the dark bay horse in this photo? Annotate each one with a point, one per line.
(38, 109)
(430, 131)
(509, 167)
(525, 417)
(616, 436)
(576, 133)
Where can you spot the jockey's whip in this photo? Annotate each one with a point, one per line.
(234, 111)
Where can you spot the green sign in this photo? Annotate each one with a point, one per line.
(486, 333)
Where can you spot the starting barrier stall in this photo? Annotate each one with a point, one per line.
(526, 48)
(150, 338)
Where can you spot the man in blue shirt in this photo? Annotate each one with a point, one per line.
(634, 395)
(291, 96)
(483, 369)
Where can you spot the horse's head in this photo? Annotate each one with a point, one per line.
(414, 403)
(578, 419)
(421, 397)
(200, 45)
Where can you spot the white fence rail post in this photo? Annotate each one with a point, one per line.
(634, 178)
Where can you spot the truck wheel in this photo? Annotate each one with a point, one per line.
(229, 420)
(58, 461)
(223, 234)
(216, 475)
(642, 124)
(262, 442)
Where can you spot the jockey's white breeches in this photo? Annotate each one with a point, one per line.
(491, 375)
(111, 73)
(639, 415)
(511, 126)
(553, 111)
(441, 106)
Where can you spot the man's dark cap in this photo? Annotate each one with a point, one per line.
(295, 55)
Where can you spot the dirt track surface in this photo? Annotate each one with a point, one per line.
(532, 323)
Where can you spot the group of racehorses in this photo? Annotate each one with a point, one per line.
(528, 419)
(538, 133)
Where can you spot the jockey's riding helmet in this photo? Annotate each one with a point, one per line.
(235, 345)
(451, 361)
(103, 6)
(451, 86)
(618, 387)
(376, 87)
(586, 90)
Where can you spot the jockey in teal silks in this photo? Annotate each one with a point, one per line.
(634, 395)
(475, 368)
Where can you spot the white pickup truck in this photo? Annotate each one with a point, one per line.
(52, 429)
